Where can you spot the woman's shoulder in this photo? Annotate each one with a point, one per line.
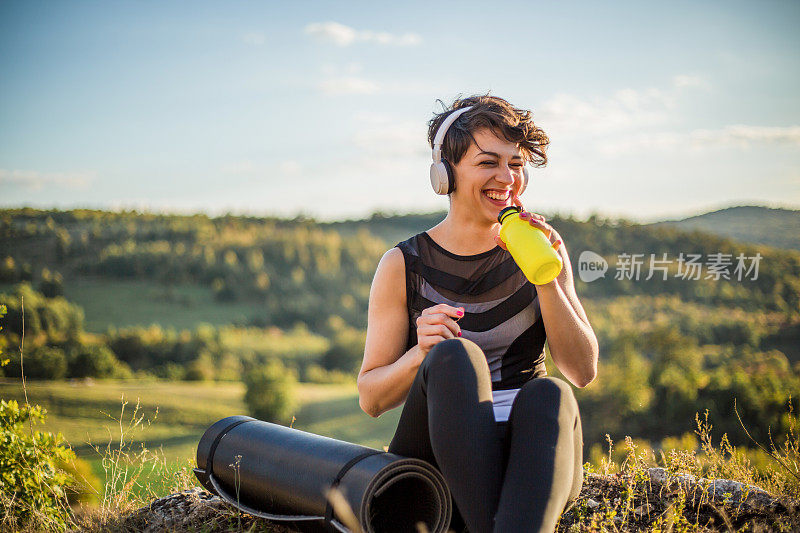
(389, 285)
(392, 265)
(392, 258)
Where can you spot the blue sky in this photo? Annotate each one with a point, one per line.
(654, 111)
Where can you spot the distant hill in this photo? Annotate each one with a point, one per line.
(775, 227)
(748, 223)
(280, 272)
(392, 228)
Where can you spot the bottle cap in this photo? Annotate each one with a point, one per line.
(507, 211)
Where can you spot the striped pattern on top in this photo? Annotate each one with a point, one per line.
(501, 306)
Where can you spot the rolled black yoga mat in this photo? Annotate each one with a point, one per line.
(283, 474)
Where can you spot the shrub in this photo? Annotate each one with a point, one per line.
(56, 318)
(270, 391)
(3, 341)
(43, 362)
(346, 351)
(201, 369)
(316, 374)
(224, 291)
(170, 372)
(46, 362)
(33, 488)
(96, 361)
(87, 487)
(51, 285)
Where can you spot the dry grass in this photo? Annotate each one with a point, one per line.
(683, 491)
(128, 473)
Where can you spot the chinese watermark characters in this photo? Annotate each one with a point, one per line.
(592, 266)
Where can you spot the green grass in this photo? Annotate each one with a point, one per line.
(122, 303)
(89, 413)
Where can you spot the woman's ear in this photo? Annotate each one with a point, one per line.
(451, 175)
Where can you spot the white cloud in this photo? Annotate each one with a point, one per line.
(348, 85)
(344, 80)
(36, 181)
(625, 110)
(290, 168)
(636, 120)
(682, 81)
(341, 35)
(238, 168)
(390, 137)
(330, 69)
(248, 169)
(366, 182)
(407, 39)
(254, 38)
(738, 135)
(332, 32)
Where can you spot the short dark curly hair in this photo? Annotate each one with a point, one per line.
(493, 112)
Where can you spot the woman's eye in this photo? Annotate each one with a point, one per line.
(517, 166)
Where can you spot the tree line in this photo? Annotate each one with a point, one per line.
(668, 348)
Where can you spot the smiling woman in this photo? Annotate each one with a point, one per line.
(457, 332)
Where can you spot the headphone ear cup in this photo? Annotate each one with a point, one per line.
(451, 176)
(439, 179)
(525, 177)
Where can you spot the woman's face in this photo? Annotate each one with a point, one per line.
(488, 175)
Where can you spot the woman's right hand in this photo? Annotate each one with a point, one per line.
(437, 323)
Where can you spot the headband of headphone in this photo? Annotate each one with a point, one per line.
(442, 174)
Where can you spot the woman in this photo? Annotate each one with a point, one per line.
(457, 332)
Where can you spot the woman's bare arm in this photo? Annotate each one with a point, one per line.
(387, 370)
(570, 337)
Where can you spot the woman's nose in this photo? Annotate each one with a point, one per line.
(505, 175)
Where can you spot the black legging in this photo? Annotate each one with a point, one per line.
(504, 477)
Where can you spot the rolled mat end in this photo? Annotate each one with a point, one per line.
(284, 474)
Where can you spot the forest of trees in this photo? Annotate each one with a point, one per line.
(669, 348)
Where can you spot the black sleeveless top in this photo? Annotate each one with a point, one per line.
(501, 306)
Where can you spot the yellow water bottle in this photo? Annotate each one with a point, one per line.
(529, 246)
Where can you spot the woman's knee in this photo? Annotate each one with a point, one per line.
(453, 352)
(547, 392)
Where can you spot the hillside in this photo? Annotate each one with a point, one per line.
(775, 227)
(747, 223)
(131, 295)
(158, 301)
(271, 271)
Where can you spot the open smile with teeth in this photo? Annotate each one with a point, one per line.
(497, 196)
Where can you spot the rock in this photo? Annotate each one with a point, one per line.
(197, 510)
(710, 505)
(641, 510)
(657, 475)
(189, 510)
(719, 490)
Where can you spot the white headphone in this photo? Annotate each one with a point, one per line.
(442, 174)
